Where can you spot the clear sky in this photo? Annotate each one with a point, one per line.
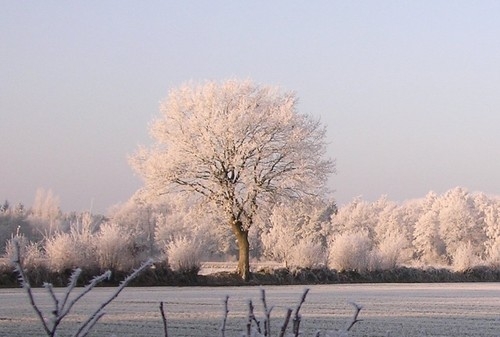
(409, 90)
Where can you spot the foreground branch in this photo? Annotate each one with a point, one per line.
(357, 309)
(297, 317)
(62, 307)
(164, 319)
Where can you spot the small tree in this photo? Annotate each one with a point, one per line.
(392, 251)
(493, 258)
(295, 230)
(350, 251)
(184, 255)
(45, 212)
(138, 217)
(31, 251)
(113, 248)
(237, 146)
(309, 254)
(61, 253)
(464, 258)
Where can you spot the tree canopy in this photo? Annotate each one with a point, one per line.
(238, 146)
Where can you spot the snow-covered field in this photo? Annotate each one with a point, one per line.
(466, 309)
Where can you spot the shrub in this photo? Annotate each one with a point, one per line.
(60, 252)
(113, 248)
(350, 251)
(494, 255)
(63, 303)
(31, 251)
(307, 254)
(464, 258)
(76, 248)
(184, 255)
(390, 253)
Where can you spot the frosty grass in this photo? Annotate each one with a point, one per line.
(459, 309)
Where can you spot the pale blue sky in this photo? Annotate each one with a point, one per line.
(409, 90)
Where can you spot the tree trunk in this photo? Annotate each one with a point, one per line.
(243, 249)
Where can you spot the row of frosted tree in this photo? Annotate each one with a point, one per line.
(457, 229)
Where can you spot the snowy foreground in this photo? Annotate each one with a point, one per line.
(466, 309)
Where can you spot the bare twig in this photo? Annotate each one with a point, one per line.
(52, 294)
(164, 319)
(297, 317)
(285, 323)
(250, 314)
(91, 324)
(23, 279)
(267, 313)
(71, 285)
(123, 284)
(63, 311)
(357, 309)
(251, 319)
(224, 320)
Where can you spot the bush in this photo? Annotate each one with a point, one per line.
(60, 252)
(184, 255)
(390, 253)
(493, 259)
(113, 248)
(31, 251)
(307, 254)
(350, 251)
(464, 258)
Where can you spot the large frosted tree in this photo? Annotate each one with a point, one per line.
(238, 146)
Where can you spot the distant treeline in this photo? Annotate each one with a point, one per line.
(448, 235)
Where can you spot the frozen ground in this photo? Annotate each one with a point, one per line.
(465, 309)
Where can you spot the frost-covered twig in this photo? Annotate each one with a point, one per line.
(357, 309)
(52, 294)
(297, 317)
(62, 308)
(97, 314)
(285, 323)
(91, 324)
(224, 320)
(251, 319)
(164, 319)
(267, 313)
(25, 284)
(71, 285)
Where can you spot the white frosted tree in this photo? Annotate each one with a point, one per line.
(139, 216)
(429, 247)
(184, 254)
(490, 209)
(191, 222)
(113, 245)
(237, 146)
(31, 252)
(75, 248)
(295, 229)
(459, 222)
(465, 257)
(427, 243)
(356, 216)
(45, 214)
(390, 220)
(493, 258)
(309, 254)
(394, 250)
(350, 251)
(61, 252)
